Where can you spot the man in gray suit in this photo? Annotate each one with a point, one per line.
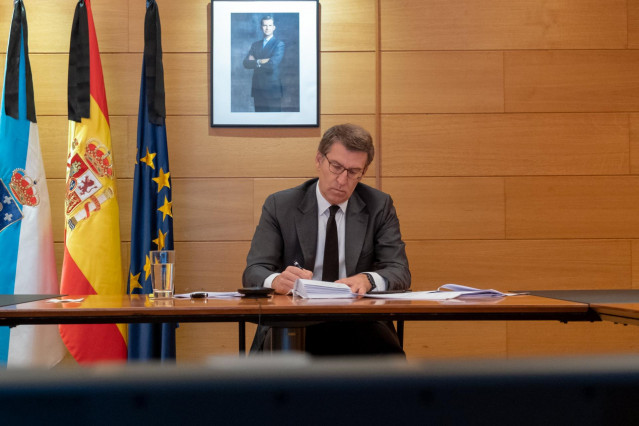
(290, 242)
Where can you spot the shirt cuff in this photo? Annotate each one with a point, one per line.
(269, 280)
(380, 282)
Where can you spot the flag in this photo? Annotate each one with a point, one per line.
(92, 259)
(27, 263)
(152, 218)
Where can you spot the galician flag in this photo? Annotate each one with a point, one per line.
(27, 262)
(92, 260)
(152, 218)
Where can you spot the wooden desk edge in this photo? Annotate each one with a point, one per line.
(621, 313)
(135, 309)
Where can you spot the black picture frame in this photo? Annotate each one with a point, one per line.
(264, 85)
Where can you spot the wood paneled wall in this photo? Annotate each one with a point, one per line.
(507, 133)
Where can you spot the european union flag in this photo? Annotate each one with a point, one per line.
(152, 221)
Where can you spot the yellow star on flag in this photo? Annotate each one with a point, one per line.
(147, 268)
(162, 180)
(135, 282)
(166, 208)
(148, 159)
(159, 241)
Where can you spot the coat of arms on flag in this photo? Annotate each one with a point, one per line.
(85, 192)
(9, 211)
(23, 188)
(82, 183)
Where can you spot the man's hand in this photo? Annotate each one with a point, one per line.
(358, 283)
(285, 281)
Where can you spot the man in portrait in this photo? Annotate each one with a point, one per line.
(264, 58)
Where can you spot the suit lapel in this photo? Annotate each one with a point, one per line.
(266, 48)
(306, 227)
(356, 223)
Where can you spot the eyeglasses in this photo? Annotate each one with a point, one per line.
(337, 169)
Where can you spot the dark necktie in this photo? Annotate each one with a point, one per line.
(330, 271)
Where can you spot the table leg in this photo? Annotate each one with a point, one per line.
(400, 332)
(241, 331)
(287, 339)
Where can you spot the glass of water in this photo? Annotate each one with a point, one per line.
(162, 273)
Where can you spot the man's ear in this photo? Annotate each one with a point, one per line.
(318, 159)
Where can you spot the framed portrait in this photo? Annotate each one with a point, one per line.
(264, 63)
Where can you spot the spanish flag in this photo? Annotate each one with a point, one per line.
(92, 259)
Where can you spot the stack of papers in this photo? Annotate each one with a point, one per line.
(312, 289)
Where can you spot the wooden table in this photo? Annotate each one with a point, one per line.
(622, 313)
(140, 309)
(616, 305)
(286, 314)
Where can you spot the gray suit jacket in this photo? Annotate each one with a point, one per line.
(287, 232)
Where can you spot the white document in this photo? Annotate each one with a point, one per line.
(313, 289)
(65, 300)
(416, 295)
(445, 292)
(474, 292)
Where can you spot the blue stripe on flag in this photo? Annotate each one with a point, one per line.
(14, 143)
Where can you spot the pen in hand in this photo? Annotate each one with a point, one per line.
(303, 272)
